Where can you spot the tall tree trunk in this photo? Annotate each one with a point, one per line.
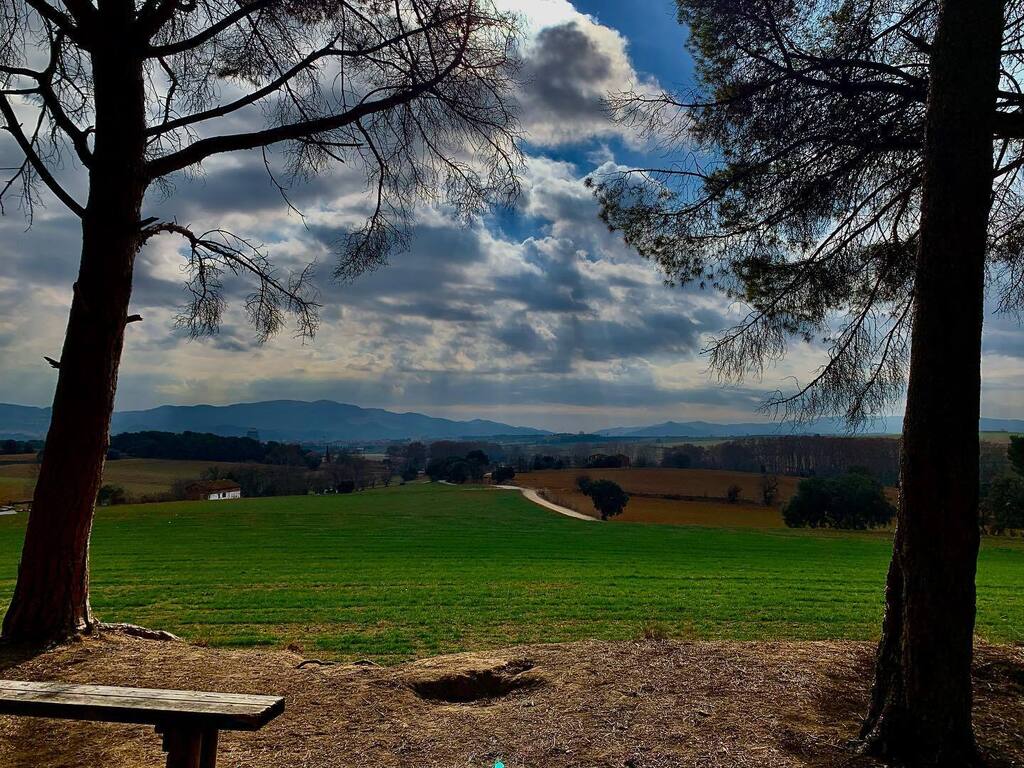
(921, 704)
(51, 599)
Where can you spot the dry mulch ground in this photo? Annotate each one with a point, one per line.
(594, 704)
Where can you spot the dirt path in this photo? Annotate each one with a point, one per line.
(647, 704)
(532, 495)
(536, 498)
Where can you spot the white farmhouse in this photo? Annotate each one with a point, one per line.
(213, 490)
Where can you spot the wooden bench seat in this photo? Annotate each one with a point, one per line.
(188, 720)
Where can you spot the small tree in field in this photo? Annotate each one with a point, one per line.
(130, 94)
(769, 489)
(732, 493)
(608, 498)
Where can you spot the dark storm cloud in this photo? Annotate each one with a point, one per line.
(435, 309)
(435, 279)
(574, 339)
(248, 188)
(649, 334)
(435, 261)
(561, 71)
(519, 336)
(45, 254)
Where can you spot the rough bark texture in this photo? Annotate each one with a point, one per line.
(51, 600)
(921, 704)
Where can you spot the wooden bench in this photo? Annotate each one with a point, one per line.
(188, 720)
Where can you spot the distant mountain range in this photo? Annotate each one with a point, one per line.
(888, 426)
(274, 420)
(326, 420)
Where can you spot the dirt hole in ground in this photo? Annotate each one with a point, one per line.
(478, 684)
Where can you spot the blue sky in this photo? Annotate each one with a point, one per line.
(535, 315)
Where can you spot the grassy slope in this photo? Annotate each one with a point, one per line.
(423, 569)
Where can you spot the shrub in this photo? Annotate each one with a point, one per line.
(583, 484)
(676, 460)
(111, 494)
(852, 501)
(1003, 506)
(608, 498)
(502, 475)
(459, 471)
(769, 489)
(546, 462)
(409, 472)
(732, 493)
(654, 630)
(436, 469)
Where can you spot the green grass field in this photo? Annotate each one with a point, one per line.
(424, 569)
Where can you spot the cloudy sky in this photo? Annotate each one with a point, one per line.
(533, 316)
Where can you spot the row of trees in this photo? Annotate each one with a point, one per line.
(203, 446)
(799, 455)
(344, 471)
(802, 455)
(8, 447)
(467, 468)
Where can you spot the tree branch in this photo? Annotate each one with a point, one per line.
(1009, 125)
(285, 77)
(204, 148)
(188, 44)
(14, 128)
(61, 20)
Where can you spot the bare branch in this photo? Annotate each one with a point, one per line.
(26, 146)
(204, 148)
(216, 251)
(210, 32)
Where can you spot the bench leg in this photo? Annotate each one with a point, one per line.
(208, 752)
(183, 747)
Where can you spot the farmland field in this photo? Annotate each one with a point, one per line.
(712, 483)
(139, 477)
(560, 487)
(645, 484)
(423, 569)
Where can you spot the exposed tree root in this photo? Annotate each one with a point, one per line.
(134, 630)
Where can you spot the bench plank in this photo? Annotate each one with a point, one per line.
(228, 711)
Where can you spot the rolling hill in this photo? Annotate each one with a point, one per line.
(275, 420)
